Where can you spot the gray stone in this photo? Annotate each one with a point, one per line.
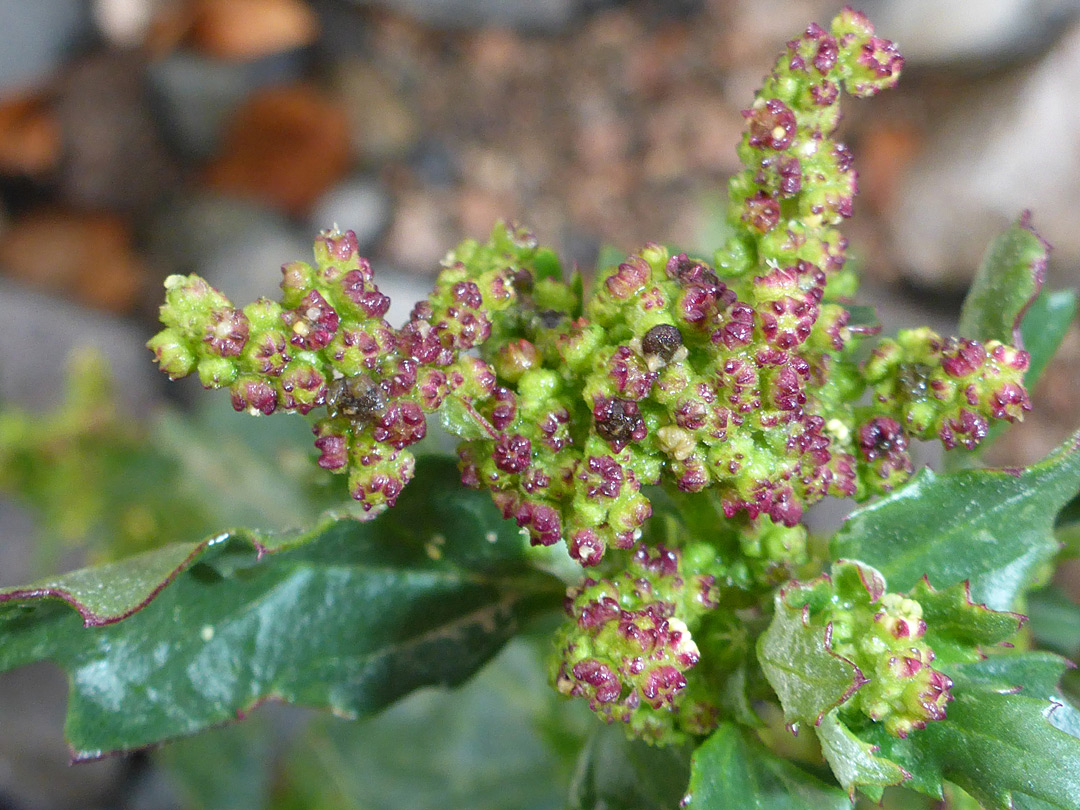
(530, 15)
(1010, 147)
(359, 204)
(113, 154)
(35, 38)
(404, 289)
(40, 334)
(195, 94)
(238, 245)
(984, 33)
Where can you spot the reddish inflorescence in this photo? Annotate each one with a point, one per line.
(736, 376)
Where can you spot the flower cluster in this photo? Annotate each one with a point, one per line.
(945, 388)
(628, 645)
(738, 379)
(327, 344)
(883, 634)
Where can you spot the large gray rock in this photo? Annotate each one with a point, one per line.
(113, 154)
(40, 334)
(36, 37)
(195, 94)
(359, 204)
(1010, 147)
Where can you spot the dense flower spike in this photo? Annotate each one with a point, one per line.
(948, 388)
(628, 646)
(733, 386)
(326, 344)
(883, 634)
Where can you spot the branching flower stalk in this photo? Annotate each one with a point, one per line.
(732, 383)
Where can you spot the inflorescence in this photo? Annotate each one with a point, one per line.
(736, 378)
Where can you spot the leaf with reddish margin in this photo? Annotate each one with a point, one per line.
(1008, 280)
(993, 528)
(800, 665)
(1009, 739)
(854, 762)
(349, 616)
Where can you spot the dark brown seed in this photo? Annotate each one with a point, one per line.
(663, 340)
(617, 421)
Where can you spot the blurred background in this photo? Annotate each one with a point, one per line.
(140, 138)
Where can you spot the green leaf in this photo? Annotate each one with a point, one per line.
(991, 527)
(1054, 620)
(1009, 278)
(1043, 328)
(854, 762)
(1008, 739)
(484, 746)
(798, 661)
(348, 616)
(956, 626)
(730, 771)
(614, 773)
(459, 418)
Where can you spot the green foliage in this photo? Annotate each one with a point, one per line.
(992, 528)
(732, 770)
(213, 629)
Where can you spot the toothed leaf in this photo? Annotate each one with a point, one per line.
(347, 616)
(991, 527)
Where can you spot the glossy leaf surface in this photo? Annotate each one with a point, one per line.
(348, 616)
(1010, 276)
(991, 527)
(730, 771)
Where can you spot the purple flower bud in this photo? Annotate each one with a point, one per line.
(357, 287)
(253, 394)
(761, 212)
(332, 444)
(586, 547)
(512, 454)
(772, 124)
(402, 424)
(267, 353)
(312, 324)
(226, 332)
(962, 357)
(301, 387)
(631, 276)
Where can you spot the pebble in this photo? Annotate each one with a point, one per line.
(238, 244)
(113, 154)
(194, 94)
(40, 332)
(29, 136)
(86, 257)
(359, 204)
(382, 125)
(251, 29)
(999, 151)
(36, 36)
(985, 34)
(530, 15)
(284, 146)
